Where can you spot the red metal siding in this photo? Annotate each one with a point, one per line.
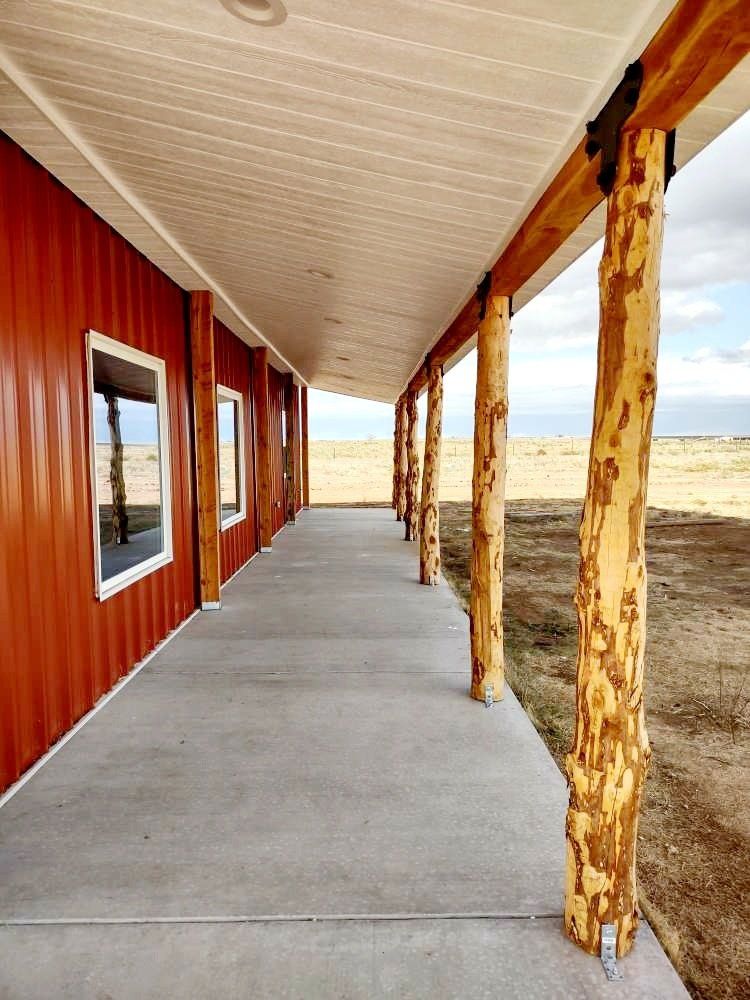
(233, 364)
(62, 271)
(275, 410)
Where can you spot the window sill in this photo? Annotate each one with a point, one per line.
(231, 521)
(108, 588)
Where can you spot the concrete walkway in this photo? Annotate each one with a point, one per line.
(296, 798)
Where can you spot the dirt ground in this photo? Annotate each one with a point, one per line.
(694, 840)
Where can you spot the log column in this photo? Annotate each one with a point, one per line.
(488, 499)
(305, 450)
(262, 447)
(206, 445)
(401, 461)
(290, 400)
(396, 456)
(429, 512)
(411, 504)
(607, 764)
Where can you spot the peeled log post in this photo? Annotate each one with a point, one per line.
(429, 514)
(607, 764)
(403, 463)
(411, 508)
(396, 456)
(488, 500)
(116, 474)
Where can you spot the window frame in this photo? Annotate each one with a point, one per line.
(234, 396)
(104, 589)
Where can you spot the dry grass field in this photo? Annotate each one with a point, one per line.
(694, 842)
(701, 475)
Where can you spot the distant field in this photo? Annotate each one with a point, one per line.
(692, 474)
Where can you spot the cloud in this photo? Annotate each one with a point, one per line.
(681, 311)
(707, 229)
(726, 356)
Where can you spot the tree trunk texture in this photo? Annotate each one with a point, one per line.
(608, 761)
(396, 456)
(403, 461)
(411, 506)
(488, 500)
(116, 474)
(429, 514)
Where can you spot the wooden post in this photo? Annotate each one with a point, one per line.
(296, 450)
(488, 499)
(290, 464)
(262, 447)
(305, 451)
(411, 505)
(608, 761)
(206, 445)
(401, 462)
(116, 474)
(429, 512)
(396, 453)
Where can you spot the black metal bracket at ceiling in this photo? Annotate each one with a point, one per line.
(428, 365)
(483, 290)
(604, 131)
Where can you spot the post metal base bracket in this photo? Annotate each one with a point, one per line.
(489, 700)
(609, 953)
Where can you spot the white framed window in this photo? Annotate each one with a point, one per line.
(130, 477)
(230, 422)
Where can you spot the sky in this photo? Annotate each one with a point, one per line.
(704, 353)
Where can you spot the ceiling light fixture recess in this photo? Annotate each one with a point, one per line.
(264, 13)
(317, 273)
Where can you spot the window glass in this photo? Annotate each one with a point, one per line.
(129, 463)
(229, 420)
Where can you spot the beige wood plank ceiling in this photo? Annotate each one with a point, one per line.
(341, 180)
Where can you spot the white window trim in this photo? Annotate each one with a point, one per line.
(107, 588)
(235, 397)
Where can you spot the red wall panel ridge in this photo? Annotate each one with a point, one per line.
(64, 271)
(233, 366)
(276, 382)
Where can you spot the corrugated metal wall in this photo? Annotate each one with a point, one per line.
(233, 363)
(62, 271)
(275, 410)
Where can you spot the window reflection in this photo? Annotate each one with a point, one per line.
(229, 419)
(128, 462)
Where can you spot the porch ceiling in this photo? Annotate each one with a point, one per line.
(341, 181)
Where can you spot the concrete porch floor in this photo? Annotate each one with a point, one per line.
(296, 798)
